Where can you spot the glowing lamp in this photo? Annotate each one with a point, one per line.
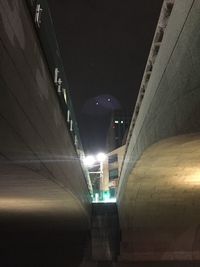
(101, 157)
(89, 161)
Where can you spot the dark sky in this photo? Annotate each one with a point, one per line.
(104, 45)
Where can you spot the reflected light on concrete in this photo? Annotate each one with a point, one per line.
(159, 208)
(31, 204)
(193, 179)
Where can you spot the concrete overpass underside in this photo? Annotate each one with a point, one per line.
(41, 223)
(160, 216)
(159, 191)
(44, 198)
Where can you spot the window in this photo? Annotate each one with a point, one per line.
(113, 158)
(113, 174)
(112, 192)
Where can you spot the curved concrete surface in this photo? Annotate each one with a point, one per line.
(159, 214)
(34, 133)
(159, 190)
(44, 199)
(41, 224)
(171, 102)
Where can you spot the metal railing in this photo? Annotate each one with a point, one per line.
(154, 50)
(45, 30)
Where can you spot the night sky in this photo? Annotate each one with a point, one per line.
(104, 45)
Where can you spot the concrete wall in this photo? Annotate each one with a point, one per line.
(174, 78)
(170, 106)
(33, 130)
(159, 213)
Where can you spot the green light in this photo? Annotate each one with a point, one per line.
(106, 195)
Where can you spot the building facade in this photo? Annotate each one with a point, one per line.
(111, 172)
(118, 128)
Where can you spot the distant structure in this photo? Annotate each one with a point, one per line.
(115, 146)
(118, 130)
(111, 171)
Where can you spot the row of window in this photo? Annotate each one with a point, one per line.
(113, 173)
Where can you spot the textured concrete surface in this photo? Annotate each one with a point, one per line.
(173, 86)
(105, 232)
(40, 173)
(159, 194)
(160, 212)
(158, 264)
(40, 223)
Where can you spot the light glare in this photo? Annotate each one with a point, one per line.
(101, 157)
(89, 161)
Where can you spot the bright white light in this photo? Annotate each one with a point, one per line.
(101, 157)
(89, 161)
(116, 121)
(122, 122)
